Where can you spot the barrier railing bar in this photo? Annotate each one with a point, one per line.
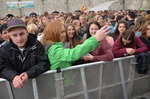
(79, 93)
(73, 95)
(9, 90)
(35, 89)
(1, 79)
(84, 83)
(113, 85)
(146, 76)
(89, 64)
(123, 80)
(96, 89)
(131, 78)
(101, 80)
(105, 87)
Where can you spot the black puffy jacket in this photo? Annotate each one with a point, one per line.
(32, 60)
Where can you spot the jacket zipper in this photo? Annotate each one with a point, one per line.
(24, 56)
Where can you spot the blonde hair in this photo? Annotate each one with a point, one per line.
(32, 28)
(62, 20)
(32, 21)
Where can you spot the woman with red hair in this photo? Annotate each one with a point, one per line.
(60, 57)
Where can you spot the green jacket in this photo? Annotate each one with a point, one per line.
(60, 57)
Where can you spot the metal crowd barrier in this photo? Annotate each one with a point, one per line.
(115, 79)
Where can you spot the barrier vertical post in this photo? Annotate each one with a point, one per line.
(9, 90)
(59, 85)
(101, 76)
(84, 83)
(131, 77)
(35, 89)
(123, 80)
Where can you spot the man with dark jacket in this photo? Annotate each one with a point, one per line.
(23, 57)
(131, 17)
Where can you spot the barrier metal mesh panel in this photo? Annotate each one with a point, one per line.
(46, 86)
(73, 83)
(104, 80)
(24, 93)
(92, 75)
(111, 73)
(4, 94)
(141, 86)
(112, 93)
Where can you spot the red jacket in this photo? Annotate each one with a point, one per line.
(138, 45)
(103, 52)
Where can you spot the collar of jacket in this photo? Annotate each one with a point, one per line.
(30, 41)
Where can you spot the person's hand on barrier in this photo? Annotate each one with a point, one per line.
(17, 82)
(130, 51)
(88, 57)
(24, 77)
(102, 33)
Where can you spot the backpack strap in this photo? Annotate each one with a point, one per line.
(67, 45)
(47, 46)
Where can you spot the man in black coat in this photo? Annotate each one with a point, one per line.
(23, 57)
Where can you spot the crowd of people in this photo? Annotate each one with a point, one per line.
(31, 45)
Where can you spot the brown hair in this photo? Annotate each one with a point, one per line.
(75, 40)
(75, 22)
(127, 35)
(41, 24)
(111, 16)
(139, 23)
(117, 33)
(54, 14)
(144, 29)
(147, 17)
(52, 33)
(26, 19)
(82, 15)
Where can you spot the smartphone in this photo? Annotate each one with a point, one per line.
(112, 29)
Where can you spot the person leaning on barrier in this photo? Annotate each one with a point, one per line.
(60, 57)
(104, 51)
(128, 44)
(23, 57)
